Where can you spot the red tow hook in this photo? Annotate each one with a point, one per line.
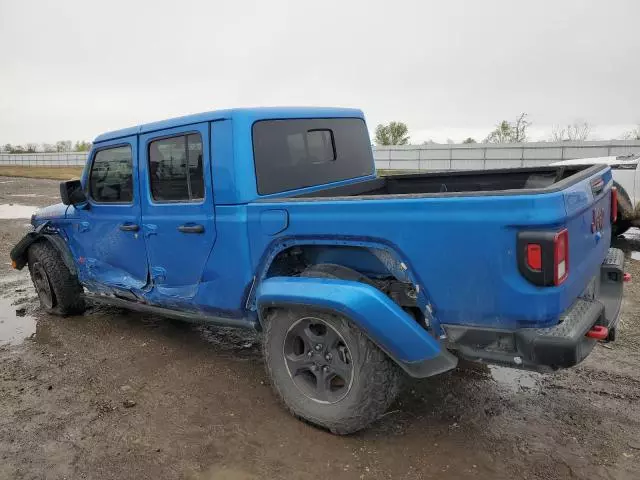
(598, 332)
(626, 277)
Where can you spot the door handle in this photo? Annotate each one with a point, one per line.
(129, 227)
(191, 228)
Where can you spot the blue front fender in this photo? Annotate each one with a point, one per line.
(383, 321)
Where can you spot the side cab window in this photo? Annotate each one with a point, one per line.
(111, 175)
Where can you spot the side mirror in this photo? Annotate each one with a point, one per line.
(71, 192)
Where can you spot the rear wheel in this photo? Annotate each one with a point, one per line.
(324, 368)
(58, 289)
(326, 371)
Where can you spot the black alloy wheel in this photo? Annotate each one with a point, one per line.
(318, 360)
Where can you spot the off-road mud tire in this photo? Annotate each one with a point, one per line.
(67, 294)
(376, 379)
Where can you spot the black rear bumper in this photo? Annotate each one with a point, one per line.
(560, 346)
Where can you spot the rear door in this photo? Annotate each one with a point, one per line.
(177, 208)
(111, 250)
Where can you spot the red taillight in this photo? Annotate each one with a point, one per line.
(534, 256)
(614, 204)
(560, 257)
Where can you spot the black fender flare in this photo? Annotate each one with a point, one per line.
(19, 257)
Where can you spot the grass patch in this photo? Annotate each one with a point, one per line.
(384, 172)
(53, 173)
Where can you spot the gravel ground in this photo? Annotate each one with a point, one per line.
(112, 395)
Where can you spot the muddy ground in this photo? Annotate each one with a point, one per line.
(112, 394)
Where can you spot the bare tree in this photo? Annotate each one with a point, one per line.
(558, 133)
(577, 131)
(633, 134)
(520, 129)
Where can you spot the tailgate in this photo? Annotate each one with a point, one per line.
(588, 205)
(560, 259)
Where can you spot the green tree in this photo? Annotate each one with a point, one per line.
(7, 148)
(469, 140)
(82, 146)
(508, 132)
(394, 133)
(63, 146)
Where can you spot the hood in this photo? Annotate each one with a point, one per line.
(51, 212)
(620, 161)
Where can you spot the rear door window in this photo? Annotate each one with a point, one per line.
(111, 177)
(297, 153)
(175, 168)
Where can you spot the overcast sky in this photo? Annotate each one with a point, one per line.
(449, 69)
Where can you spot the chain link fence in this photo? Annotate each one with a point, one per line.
(66, 159)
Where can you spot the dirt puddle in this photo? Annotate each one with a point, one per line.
(15, 324)
(9, 211)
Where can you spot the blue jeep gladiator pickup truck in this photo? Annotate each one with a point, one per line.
(274, 219)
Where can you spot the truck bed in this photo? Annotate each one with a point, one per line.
(457, 231)
(465, 183)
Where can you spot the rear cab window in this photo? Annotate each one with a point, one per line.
(297, 153)
(111, 176)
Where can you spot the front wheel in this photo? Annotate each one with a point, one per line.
(326, 371)
(58, 289)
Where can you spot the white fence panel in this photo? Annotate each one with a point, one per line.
(483, 156)
(434, 159)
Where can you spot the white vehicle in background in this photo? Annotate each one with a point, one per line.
(626, 178)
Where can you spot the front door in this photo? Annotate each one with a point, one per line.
(107, 237)
(178, 209)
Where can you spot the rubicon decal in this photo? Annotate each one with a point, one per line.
(597, 224)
